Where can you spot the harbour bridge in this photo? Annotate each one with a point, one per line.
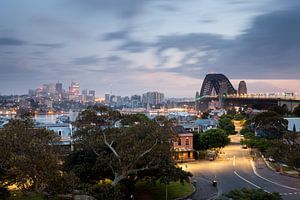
(217, 89)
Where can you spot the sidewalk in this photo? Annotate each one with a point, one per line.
(263, 164)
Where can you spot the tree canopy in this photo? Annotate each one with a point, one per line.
(122, 147)
(226, 124)
(214, 138)
(296, 111)
(270, 125)
(27, 155)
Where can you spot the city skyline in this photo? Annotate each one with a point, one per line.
(139, 46)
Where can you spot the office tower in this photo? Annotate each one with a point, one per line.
(74, 89)
(152, 98)
(58, 88)
(92, 93)
(84, 92)
(107, 97)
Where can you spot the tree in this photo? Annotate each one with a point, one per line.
(126, 147)
(296, 111)
(227, 125)
(196, 141)
(252, 194)
(286, 150)
(31, 162)
(270, 125)
(214, 138)
(279, 110)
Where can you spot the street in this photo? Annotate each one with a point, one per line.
(235, 169)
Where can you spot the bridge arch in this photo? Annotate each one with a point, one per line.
(219, 82)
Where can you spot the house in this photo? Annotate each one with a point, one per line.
(183, 146)
(64, 131)
(206, 124)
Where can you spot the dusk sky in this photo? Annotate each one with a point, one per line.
(134, 46)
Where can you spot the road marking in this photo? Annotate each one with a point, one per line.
(248, 181)
(233, 162)
(255, 172)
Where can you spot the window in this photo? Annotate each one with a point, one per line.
(179, 142)
(187, 142)
(59, 132)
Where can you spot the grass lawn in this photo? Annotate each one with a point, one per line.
(147, 191)
(16, 195)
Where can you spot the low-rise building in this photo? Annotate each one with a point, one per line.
(183, 146)
(206, 124)
(64, 131)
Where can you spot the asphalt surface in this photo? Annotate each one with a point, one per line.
(235, 169)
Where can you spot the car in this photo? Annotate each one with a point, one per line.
(271, 159)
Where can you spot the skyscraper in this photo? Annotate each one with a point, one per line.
(107, 98)
(58, 87)
(152, 98)
(74, 92)
(92, 93)
(242, 88)
(74, 89)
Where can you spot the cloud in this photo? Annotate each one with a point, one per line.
(134, 46)
(86, 60)
(124, 8)
(118, 35)
(268, 49)
(51, 45)
(6, 41)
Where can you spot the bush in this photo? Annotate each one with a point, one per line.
(239, 117)
(103, 191)
(4, 193)
(252, 194)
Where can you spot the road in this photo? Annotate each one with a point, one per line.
(234, 169)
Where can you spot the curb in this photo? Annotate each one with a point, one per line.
(271, 168)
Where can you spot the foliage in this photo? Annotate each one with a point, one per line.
(279, 110)
(4, 193)
(123, 148)
(28, 155)
(239, 117)
(286, 150)
(214, 138)
(84, 164)
(231, 112)
(252, 194)
(106, 191)
(226, 124)
(270, 125)
(296, 111)
(196, 141)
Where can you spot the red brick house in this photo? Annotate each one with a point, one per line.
(183, 147)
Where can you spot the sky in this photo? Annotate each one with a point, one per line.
(133, 46)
